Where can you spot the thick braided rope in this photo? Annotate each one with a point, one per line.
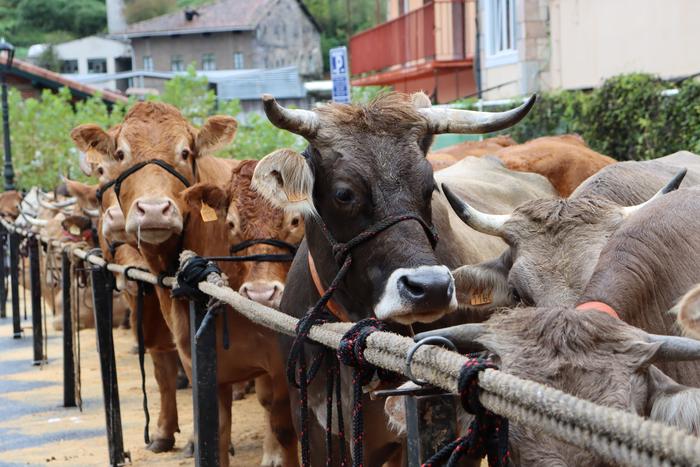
(615, 435)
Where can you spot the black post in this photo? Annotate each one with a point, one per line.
(431, 422)
(14, 275)
(9, 52)
(68, 363)
(204, 391)
(3, 271)
(102, 286)
(35, 282)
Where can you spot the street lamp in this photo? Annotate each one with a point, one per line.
(7, 53)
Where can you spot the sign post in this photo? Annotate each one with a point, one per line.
(340, 74)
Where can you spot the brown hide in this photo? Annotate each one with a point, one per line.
(9, 202)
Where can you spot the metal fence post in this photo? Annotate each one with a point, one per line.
(35, 283)
(68, 357)
(431, 422)
(102, 286)
(14, 275)
(3, 271)
(204, 390)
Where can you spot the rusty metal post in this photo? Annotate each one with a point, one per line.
(431, 422)
(35, 283)
(204, 391)
(14, 275)
(102, 287)
(68, 357)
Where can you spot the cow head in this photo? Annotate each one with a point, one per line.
(250, 217)
(590, 355)
(554, 245)
(365, 164)
(149, 197)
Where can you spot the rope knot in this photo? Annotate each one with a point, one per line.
(487, 434)
(352, 348)
(193, 271)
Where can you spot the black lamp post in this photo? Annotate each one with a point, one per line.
(8, 52)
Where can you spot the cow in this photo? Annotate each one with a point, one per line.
(367, 164)
(590, 355)
(445, 157)
(554, 244)
(9, 204)
(163, 224)
(688, 313)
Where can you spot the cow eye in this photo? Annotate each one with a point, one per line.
(100, 170)
(344, 195)
(231, 225)
(120, 154)
(295, 222)
(185, 153)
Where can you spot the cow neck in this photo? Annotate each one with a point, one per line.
(334, 307)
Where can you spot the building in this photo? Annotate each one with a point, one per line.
(229, 34)
(522, 46)
(91, 56)
(31, 80)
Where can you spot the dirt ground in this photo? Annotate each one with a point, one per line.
(36, 430)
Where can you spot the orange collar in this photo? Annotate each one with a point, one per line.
(335, 308)
(599, 306)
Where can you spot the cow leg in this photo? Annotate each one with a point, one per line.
(280, 446)
(225, 402)
(165, 369)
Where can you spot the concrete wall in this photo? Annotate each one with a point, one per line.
(116, 22)
(94, 47)
(285, 36)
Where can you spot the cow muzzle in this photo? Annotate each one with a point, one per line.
(422, 294)
(113, 224)
(268, 293)
(154, 220)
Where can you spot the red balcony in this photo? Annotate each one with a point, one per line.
(420, 50)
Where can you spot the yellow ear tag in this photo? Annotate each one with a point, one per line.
(208, 213)
(74, 230)
(93, 156)
(481, 297)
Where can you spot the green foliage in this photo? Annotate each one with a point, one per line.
(139, 10)
(365, 94)
(628, 118)
(40, 128)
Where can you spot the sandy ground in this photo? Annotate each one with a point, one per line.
(36, 430)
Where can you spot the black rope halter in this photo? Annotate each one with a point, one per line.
(272, 258)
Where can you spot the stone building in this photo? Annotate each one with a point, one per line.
(229, 34)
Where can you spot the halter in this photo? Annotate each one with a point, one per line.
(117, 182)
(271, 258)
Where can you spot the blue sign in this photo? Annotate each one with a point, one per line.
(340, 74)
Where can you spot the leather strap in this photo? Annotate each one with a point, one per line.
(599, 306)
(335, 308)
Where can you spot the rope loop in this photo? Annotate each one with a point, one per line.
(487, 434)
(192, 271)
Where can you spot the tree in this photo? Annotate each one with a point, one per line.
(49, 59)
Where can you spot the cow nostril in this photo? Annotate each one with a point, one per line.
(430, 287)
(167, 208)
(412, 287)
(140, 210)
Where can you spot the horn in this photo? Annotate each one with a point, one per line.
(302, 122)
(441, 120)
(463, 335)
(491, 224)
(35, 222)
(92, 212)
(84, 165)
(674, 348)
(57, 206)
(672, 185)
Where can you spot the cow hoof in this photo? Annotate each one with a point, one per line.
(231, 450)
(182, 382)
(188, 450)
(161, 445)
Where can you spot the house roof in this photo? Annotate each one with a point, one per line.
(49, 79)
(220, 16)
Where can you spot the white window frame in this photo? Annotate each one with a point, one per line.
(238, 64)
(147, 63)
(494, 11)
(209, 62)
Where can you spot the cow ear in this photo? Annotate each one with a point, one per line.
(91, 137)
(484, 287)
(217, 132)
(672, 403)
(206, 193)
(689, 313)
(285, 178)
(86, 194)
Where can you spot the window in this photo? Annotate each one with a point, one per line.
(176, 63)
(208, 62)
(69, 66)
(97, 65)
(147, 63)
(238, 60)
(500, 32)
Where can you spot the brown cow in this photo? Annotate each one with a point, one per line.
(366, 164)
(9, 204)
(164, 225)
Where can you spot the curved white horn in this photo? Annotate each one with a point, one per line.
(35, 222)
(672, 185)
(302, 122)
(490, 224)
(674, 348)
(92, 212)
(442, 120)
(57, 206)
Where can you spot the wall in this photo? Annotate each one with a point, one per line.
(115, 16)
(94, 47)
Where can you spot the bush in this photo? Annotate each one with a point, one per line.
(42, 149)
